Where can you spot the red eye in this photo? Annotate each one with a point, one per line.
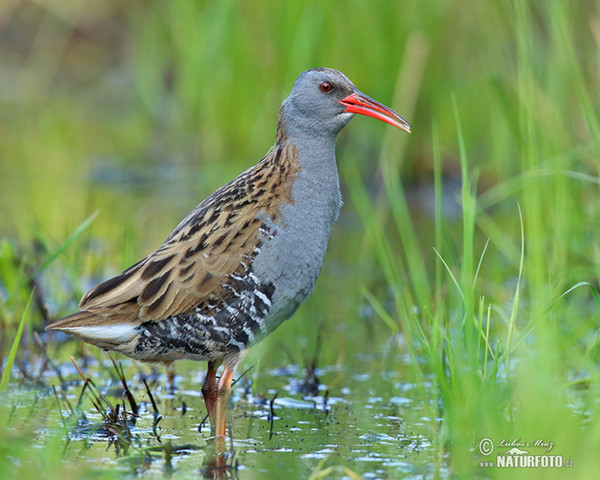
(326, 86)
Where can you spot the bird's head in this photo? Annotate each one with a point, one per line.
(324, 100)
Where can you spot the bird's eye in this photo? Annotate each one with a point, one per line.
(326, 87)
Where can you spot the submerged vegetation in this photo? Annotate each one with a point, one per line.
(458, 302)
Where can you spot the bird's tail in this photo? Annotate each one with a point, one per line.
(97, 327)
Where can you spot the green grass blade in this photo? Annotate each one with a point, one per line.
(515, 305)
(487, 242)
(452, 277)
(593, 291)
(74, 236)
(56, 253)
(15, 346)
(439, 203)
(380, 310)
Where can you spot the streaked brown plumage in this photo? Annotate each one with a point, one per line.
(200, 256)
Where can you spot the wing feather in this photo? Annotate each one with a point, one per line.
(198, 258)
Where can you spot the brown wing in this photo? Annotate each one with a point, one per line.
(207, 247)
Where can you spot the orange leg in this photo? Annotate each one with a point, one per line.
(224, 390)
(216, 395)
(210, 392)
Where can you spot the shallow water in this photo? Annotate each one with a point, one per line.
(370, 424)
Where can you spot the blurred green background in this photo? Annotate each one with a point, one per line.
(140, 109)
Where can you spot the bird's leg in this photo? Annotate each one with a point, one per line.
(224, 390)
(216, 395)
(210, 392)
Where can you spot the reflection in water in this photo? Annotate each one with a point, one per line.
(375, 425)
(216, 458)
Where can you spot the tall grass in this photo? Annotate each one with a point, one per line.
(503, 327)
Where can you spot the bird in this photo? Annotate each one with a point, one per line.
(245, 258)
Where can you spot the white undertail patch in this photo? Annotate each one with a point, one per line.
(110, 333)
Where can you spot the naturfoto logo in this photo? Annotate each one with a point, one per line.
(518, 453)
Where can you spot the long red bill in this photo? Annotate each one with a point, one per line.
(358, 102)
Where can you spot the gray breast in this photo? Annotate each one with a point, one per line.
(292, 250)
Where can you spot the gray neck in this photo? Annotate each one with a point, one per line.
(317, 186)
(318, 166)
(316, 149)
(316, 189)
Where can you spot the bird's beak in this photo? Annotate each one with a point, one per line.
(358, 102)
